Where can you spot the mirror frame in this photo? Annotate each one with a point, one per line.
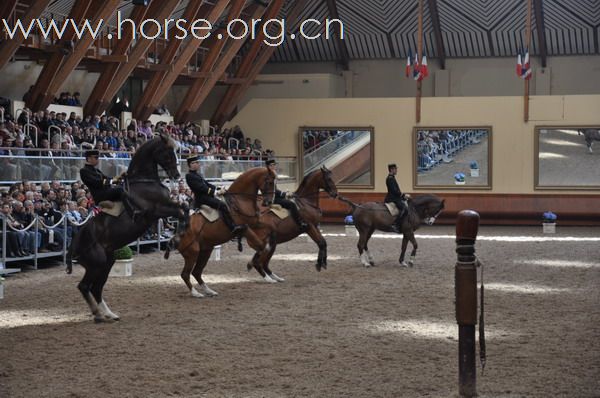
(370, 129)
(488, 186)
(536, 161)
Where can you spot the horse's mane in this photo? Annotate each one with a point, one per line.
(420, 200)
(245, 175)
(305, 180)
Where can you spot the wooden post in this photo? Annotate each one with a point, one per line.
(419, 55)
(465, 282)
(527, 42)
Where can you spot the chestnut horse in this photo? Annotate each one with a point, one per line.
(283, 230)
(197, 242)
(372, 215)
(96, 241)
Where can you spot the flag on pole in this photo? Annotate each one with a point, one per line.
(424, 69)
(526, 70)
(408, 63)
(519, 64)
(417, 69)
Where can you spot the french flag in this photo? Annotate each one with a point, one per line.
(417, 69)
(519, 64)
(408, 63)
(424, 69)
(526, 69)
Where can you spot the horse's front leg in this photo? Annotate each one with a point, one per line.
(413, 253)
(316, 236)
(403, 252)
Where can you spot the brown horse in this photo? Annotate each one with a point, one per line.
(197, 242)
(373, 215)
(283, 230)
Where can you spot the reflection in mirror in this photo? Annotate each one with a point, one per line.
(566, 157)
(452, 157)
(346, 151)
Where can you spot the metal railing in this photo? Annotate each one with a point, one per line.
(315, 158)
(39, 165)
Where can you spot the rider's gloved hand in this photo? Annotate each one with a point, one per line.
(221, 191)
(289, 195)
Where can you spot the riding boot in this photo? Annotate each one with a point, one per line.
(298, 219)
(235, 229)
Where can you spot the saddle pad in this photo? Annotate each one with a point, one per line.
(280, 211)
(112, 208)
(209, 213)
(392, 208)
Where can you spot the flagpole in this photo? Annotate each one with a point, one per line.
(527, 42)
(419, 54)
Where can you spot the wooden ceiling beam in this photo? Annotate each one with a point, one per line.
(79, 11)
(249, 59)
(201, 87)
(344, 60)
(160, 11)
(7, 8)
(163, 78)
(9, 47)
(97, 12)
(116, 58)
(238, 92)
(538, 9)
(214, 43)
(437, 31)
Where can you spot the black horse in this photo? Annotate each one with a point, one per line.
(590, 136)
(95, 243)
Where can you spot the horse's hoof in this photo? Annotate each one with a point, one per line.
(366, 265)
(248, 267)
(104, 319)
(268, 279)
(277, 278)
(403, 264)
(318, 267)
(196, 294)
(372, 263)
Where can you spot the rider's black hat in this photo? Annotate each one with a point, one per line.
(270, 162)
(391, 165)
(192, 159)
(93, 152)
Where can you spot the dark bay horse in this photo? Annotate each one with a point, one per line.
(590, 136)
(283, 230)
(374, 215)
(95, 243)
(197, 242)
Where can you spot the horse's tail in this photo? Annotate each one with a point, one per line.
(348, 201)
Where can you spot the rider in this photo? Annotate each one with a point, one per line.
(281, 198)
(204, 193)
(395, 196)
(102, 187)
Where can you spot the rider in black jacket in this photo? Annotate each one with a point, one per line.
(281, 198)
(395, 195)
(102, 187)
(204, 194)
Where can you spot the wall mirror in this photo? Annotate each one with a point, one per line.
(347, 151)
(567, 157)
(452, 157)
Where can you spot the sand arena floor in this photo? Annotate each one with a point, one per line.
(345, 332)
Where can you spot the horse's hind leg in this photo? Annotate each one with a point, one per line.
(413, 253)
(264, 264)
(369, 256)
(197, 272)
(190, 257)
(85, 288)
(93, 263)
(403, 252)
(363, 237)
(98, 286)
(318, 238)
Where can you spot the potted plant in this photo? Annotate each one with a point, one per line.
(459, 179)
(349, 226)
(123, 262)
(474, 169)
(549, 222)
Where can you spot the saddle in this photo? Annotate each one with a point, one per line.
(207, 212)
(392, 208)
(111, 208)
(280, 211)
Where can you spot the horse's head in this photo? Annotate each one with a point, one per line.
(268, 186)
(429, 207)
(164, 154)
(327, 182)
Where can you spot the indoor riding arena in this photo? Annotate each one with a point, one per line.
(299, 198)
